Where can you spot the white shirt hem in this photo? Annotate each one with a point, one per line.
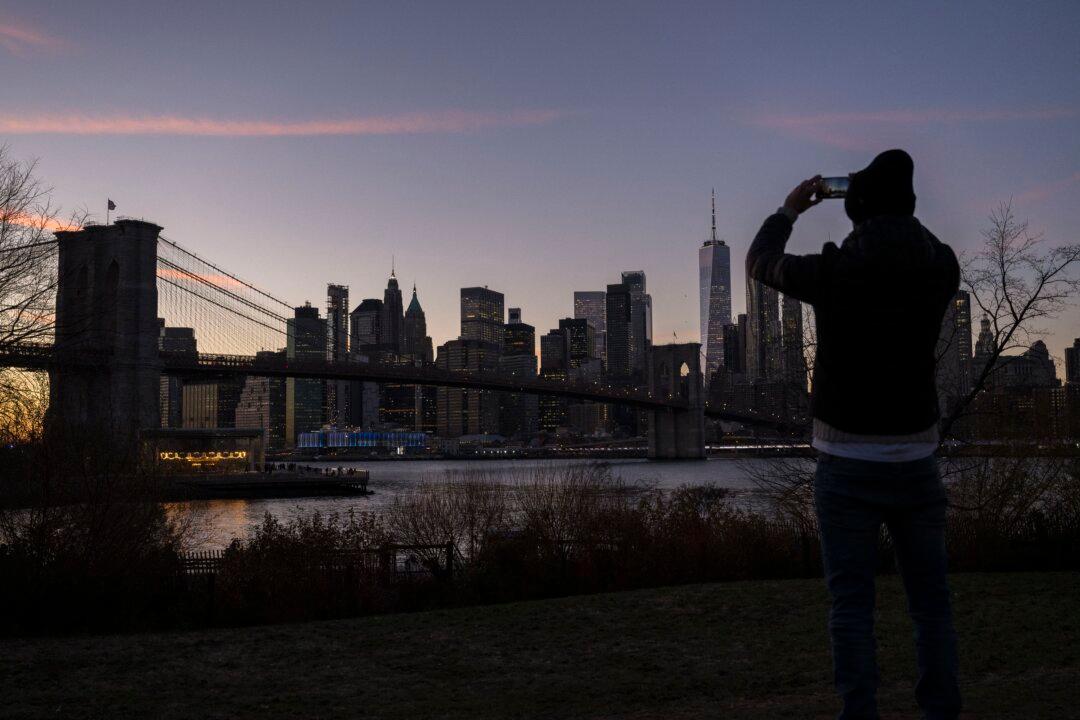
(877, 452)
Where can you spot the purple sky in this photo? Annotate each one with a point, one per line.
(535, 148)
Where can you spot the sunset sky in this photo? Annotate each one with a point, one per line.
(537, 148)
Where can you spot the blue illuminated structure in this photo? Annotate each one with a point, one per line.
(362, 439)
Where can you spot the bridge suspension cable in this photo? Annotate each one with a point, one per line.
(223, 306)
(228, 314)
(184, 251)
(202, 280)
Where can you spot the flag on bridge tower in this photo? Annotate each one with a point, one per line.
(112, 205)
(109, 208)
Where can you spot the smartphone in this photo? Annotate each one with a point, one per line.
(834, 187)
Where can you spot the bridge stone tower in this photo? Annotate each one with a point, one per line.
(107, 372)
(675, 373)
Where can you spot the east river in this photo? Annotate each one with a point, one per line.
(216, 522)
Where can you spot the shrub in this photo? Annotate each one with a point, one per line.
(313, 566)
(88, 565)
(84, 542)
(572, 529)
(1005, 513)
(1014, 513)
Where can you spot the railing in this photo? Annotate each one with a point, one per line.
(378, 372)
(43, 356)
(206, 562)
(28, 351)
(391, 561)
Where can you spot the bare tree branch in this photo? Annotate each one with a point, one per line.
(28, 280)
(1015, 283)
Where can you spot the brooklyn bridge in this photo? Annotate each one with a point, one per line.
(115, 281)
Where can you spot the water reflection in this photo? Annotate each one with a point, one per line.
(213, 523)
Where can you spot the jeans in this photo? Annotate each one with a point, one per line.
(853, 499)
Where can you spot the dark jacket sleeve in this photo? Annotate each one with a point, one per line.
(952, 272)
(799, 276)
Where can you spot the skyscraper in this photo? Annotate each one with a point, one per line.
(365, 331)
(467, 411)
(763, 332)
(793, 361)
(582, 365)
(618, 301)
(393, 318)
(212, 403)
(640, 321)
(337, 350)
(733, 355)
(262, 405)
(517, 411)
(591, 305)
(954, 356)
(714, 270)
(580, 341)
(417, 342)
(306, 334)
(554, 354)
(365, 338)
(743, 323)
(984, 348)
(171, 393)
(337, 322)
(399, 403)
(1072, 363)
(519, 338)
(482, 315)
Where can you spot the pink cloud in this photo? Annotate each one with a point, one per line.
(1033, 195)
(1038, 193)
(21, 41)
(862, 130)
(214, 279)
(448, 121)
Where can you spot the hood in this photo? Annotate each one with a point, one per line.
(884, 187)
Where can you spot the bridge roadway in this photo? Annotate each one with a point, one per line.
(43, 356)
(217, 365)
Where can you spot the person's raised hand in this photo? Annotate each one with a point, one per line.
(802, 197)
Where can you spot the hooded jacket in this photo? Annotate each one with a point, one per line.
(879, 299)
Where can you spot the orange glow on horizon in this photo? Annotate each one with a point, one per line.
(51, 224)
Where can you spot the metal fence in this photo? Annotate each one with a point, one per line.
(392, 561)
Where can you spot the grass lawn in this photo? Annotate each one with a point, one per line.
(739, 650)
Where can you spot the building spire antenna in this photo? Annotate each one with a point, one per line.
(714, 214)
(392, 266)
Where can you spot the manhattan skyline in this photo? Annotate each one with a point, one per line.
(536, 152)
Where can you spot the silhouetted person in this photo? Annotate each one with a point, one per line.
(878, 300)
